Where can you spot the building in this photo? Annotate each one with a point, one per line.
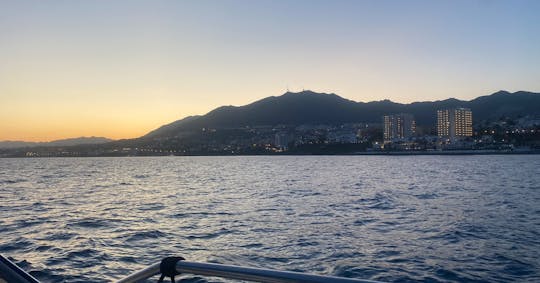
(454, 123)
(282, 141)
(398, 127)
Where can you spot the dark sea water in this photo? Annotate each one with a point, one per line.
(395, 219)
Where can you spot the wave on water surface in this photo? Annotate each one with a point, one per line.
(441, 219)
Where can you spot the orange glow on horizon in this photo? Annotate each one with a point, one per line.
(56, 132)
(43, 122)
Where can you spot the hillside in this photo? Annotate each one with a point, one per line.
(309, 107)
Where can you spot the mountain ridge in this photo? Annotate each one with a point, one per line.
(308, 107)
(61, 142)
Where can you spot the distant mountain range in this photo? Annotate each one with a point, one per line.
(63, 142)
(309, 107)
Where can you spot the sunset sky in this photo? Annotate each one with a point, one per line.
(122, 68)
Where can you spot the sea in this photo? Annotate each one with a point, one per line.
(470, 218)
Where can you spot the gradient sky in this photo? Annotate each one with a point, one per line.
(122, 68)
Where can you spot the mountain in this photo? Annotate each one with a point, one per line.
(172, 127)
(308, 107)
(62, 142)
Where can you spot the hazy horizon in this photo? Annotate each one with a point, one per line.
(121, 69)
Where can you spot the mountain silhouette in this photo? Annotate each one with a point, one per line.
(62, 142)
(308, 107)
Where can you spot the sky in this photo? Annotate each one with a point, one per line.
(122, 68)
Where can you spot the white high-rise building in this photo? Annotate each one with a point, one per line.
(282, 141)
(454, 123)
(398, 126)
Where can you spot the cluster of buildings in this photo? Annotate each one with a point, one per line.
(453, 130)
(398, 132)
(453, 127)
(288, 137)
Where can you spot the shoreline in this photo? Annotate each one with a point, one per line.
(367, 153)
(452, 152)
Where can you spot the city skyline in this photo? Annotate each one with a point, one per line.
(124, 68)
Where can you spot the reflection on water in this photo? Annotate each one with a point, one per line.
(403, 218)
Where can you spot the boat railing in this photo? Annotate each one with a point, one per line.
(12, 273)
(238, 273)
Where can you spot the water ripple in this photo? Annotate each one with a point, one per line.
(395, 219)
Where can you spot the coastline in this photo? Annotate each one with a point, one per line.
(452, 152)
(359, 153)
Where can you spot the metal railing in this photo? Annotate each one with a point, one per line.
(240, 273)
(12, 273)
